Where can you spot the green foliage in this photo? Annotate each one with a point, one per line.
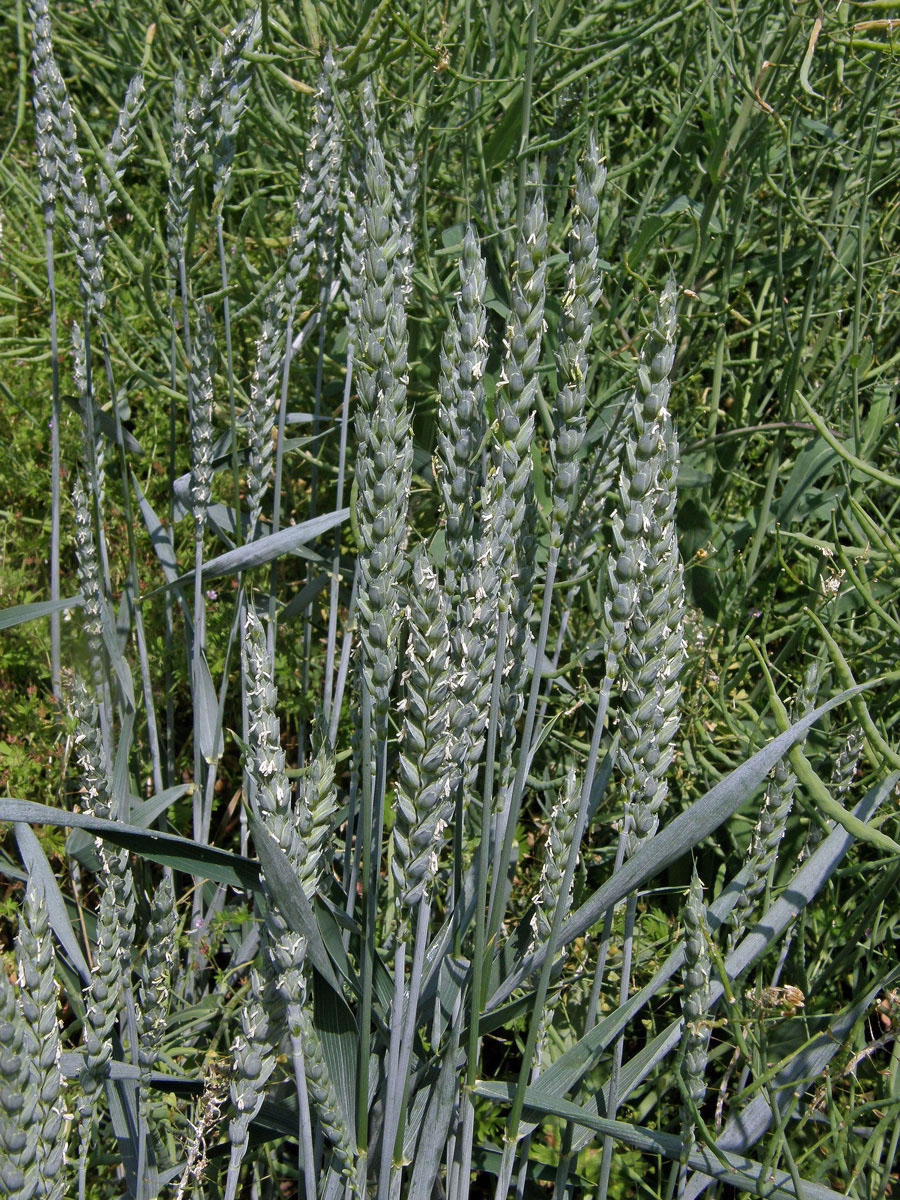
(357, 862)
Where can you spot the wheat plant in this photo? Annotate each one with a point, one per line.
(373, 885)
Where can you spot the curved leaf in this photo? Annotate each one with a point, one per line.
(179, 853)
(35, 862)
(34, 611)
(687, 830)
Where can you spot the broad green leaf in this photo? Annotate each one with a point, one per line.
(179, 853)
(267, 548)
(145, 812)
(206, 712)
(339, 1035)
(684, 203)
(119, 782)
(287, 892)
(35, 862)
(436, 1123)
(34, 611)
(122, 1102)
(814, 460)
(105, 424)
(160, 537)
(117, 661)
(303, 598)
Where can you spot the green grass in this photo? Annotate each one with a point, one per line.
(751, 153)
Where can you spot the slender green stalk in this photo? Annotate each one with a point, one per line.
(527, 83)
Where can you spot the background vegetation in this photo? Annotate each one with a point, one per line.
(752, 154)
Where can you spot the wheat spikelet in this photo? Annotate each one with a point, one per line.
(384, 459)
(154, 990)
(327, 121)
(200, 398)
(212, 115)
(324, 1097)
(230, 99)
(406, 189)
(39, 996)
(583, 279)
(353, 238)
(263, 409)
(253, 1061)
(46, 123)
(19, 1114)
(315, 809)
(96, 770)
(694, 1004)
(561, 830)
(461, 422)
(778, 800)
(102, 1000)
(645, 601)
(265, 757)
(514, 401)
(508, 505)
(121, 144)
(426, 779)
